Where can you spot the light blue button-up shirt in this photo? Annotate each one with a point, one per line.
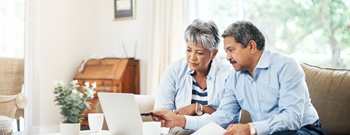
(175, 88)
(277, 98)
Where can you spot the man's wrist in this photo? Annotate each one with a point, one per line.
(252, 128)
(180, 121)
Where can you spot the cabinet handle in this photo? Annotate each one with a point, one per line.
(103, 83)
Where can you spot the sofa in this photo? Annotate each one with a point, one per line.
(329, 92)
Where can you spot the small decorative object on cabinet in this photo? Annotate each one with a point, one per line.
(110, 75)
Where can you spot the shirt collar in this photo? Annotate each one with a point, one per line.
(212, 70)
(264, 61)
(188, 70)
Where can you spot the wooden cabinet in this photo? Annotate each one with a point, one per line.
(110, 75)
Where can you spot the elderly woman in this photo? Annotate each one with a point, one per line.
(194, 85)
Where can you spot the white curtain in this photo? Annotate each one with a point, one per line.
(168, 24)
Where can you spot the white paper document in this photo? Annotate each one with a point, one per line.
(210, 129)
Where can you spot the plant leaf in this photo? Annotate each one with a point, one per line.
(80, 117)
(75, 110)
(87, 106)
(66, 112)
(73, 119)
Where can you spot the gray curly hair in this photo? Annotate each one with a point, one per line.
(243, 32)
(203, 34)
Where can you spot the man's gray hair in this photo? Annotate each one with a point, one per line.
(203, 34)
(243, 32)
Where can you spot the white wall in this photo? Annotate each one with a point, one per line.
(68, 31)
(109, 34)
(64, 41)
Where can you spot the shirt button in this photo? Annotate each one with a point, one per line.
(253, 81)
(255, 98)
(259, 115)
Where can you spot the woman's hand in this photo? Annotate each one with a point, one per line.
(187, 110)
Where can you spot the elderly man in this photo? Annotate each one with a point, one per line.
(269, 85)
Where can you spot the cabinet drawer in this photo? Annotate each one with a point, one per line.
(104, 89)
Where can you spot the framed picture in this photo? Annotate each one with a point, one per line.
(124, 9)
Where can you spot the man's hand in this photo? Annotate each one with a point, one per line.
(187, 110)
(168, 118)
(238, 129)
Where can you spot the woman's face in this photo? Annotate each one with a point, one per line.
(198, 58)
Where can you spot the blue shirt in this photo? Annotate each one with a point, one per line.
(175, 88)
(277, 98)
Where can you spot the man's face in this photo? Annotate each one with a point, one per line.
(239, 57)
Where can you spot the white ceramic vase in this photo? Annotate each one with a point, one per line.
(70, 128)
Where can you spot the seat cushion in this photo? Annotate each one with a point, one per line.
(5, 124)
(145, 104)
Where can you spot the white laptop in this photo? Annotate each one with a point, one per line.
(121, 112)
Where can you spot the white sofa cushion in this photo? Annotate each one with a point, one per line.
(145, 104)
(5, 124)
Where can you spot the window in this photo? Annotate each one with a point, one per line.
(316, 32)
(12, 22)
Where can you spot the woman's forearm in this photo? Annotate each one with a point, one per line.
(208, 110)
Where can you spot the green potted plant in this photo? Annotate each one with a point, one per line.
(73, 104)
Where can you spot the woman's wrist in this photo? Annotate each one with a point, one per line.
(199, 109)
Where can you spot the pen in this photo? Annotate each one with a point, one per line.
(146, 114)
